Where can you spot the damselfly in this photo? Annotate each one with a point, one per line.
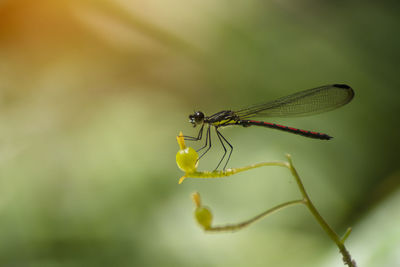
(304, 103)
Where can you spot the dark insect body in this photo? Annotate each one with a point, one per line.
(304, 103)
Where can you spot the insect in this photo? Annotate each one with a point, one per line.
(303, 103)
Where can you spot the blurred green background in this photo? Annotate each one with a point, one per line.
(93, 94)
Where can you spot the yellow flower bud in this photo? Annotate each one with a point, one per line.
(187, 160)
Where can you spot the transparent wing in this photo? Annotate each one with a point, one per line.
(308, 102)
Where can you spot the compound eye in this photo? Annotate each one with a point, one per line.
(199, 116)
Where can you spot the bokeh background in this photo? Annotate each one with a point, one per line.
(93, 93)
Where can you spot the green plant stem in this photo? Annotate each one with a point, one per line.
(346, 235)
(229, 172)
(235, 227)
(306, 201)
(331, 233)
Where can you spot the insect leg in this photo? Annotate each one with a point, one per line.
(208, 138)
(226, 141)
(199, 135)
(208, 141)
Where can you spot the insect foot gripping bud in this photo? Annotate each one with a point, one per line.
(187, 157)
